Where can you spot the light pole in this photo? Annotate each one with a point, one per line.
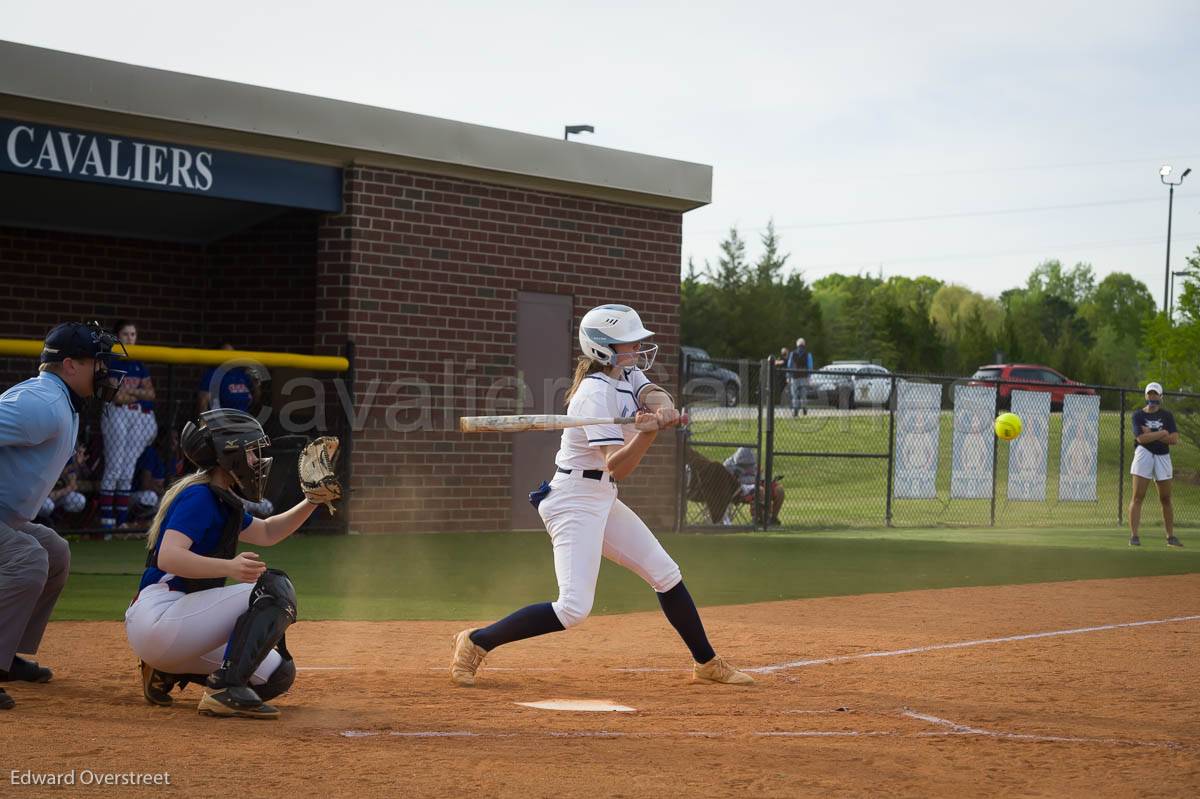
(569, 129)
(1171, 299)
(1162, 175)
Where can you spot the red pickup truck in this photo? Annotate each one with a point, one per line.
(1027, 377)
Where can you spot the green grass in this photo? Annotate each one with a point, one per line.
(480, 575)
(851, 493)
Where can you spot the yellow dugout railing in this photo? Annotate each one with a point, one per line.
(187, 355)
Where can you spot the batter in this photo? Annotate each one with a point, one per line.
(581, 510)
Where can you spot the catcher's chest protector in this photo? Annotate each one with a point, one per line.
(227, 547)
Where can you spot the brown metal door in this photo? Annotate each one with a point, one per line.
(544, 336)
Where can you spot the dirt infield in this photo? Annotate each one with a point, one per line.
(1104, 710)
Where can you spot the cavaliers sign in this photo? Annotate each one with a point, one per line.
(31, 149)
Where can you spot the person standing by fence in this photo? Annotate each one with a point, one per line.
(128, 425)
(799, 365)
(1155, 432)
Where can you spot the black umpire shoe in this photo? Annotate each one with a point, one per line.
(25, 671)
(6, 701)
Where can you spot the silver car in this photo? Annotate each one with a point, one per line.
(849, 384)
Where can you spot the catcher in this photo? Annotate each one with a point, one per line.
(186, 625)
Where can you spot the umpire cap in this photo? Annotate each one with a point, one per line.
(78, 340)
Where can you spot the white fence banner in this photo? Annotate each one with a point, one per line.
(1027, 454)
(1080, 448)
(974, 440)
(918, 433)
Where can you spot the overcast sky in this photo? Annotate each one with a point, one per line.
(916, 138)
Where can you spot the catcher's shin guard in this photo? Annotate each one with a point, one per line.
(259, 630)
(279, 682)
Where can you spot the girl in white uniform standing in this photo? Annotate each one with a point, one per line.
(129, 426)
(582, 513)
(186, 625)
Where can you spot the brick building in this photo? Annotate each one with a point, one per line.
(456, 258)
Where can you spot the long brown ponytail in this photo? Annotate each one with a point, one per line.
(583, 367)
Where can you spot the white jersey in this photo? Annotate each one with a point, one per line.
(600, 395)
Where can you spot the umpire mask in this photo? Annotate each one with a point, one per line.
(235, 441)
(79, 340)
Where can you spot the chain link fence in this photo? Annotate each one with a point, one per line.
(862, 447)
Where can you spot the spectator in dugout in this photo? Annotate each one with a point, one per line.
(68, 496)
(128, 425)
(229, 385)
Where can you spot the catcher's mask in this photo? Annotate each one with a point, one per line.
(79, 340)
(233, 440)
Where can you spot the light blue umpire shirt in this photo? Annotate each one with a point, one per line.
(39, 424)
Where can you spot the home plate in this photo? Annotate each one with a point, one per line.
(585, 705)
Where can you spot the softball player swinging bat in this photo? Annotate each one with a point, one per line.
(580, 508)
(185, 624)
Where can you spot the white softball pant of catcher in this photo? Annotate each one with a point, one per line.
(586, 521)
(127, 431)
(186, 633)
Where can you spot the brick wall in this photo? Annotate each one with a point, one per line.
(255, 288)
(423, 272)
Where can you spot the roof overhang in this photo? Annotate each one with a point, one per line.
(60, 88)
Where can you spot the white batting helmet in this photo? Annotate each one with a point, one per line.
(606, 325)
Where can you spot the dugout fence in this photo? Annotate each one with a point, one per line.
(295, 396)
(866, 448)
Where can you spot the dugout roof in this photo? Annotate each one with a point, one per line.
(84, 93)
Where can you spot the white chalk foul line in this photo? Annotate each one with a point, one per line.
(580, 734)
(962, 729)
(796, 664)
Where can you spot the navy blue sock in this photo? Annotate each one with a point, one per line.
(529, 621)
(681, 611)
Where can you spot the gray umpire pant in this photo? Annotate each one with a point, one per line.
(34, 564)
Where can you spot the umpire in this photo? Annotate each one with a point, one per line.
(39, 425)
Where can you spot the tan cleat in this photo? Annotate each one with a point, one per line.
(218, 703)
(717, 670)
(467, 659)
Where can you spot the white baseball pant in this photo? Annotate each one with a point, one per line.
(127, 432)
(586, 521)
(186, 633)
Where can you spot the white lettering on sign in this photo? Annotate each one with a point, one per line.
(84, 155)
(12, 146)
(157, 154)
(204, 167)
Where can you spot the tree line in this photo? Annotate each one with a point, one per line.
(1107, 332)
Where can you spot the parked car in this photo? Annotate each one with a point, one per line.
(848, 384)
(1027, 377)
(707, 382)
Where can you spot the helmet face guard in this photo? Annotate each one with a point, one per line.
(235, 441)
(106, 381)
(643, 357)
(249, 477)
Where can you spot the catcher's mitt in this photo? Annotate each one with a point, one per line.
(317, 480)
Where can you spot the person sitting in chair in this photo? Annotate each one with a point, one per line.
(743, 465)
